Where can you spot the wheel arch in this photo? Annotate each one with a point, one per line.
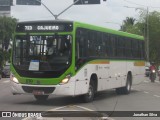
(94, 79)
(130, 74)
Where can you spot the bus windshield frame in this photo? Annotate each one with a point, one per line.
(47, 54)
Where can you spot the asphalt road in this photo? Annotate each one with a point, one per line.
(144, 97)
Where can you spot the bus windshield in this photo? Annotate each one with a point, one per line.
(42, 53)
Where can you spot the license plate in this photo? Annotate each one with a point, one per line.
(38, 92)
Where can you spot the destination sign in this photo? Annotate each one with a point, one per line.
(44, 27)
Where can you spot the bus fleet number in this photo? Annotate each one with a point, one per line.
(28, 27)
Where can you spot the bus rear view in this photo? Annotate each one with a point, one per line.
(42, 59)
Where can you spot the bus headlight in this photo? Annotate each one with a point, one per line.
(14, 79)
(66, 79)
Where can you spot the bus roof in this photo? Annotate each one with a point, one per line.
(107, 30)
(88, 26)
(45, 21)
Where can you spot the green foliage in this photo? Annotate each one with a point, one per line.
(1, 57)
(129, 25)
(7, 27)
(154, 36)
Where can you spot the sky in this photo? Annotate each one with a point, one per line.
(108, 14)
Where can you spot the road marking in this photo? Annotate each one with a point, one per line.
(106, 118)
(146, 92)
(61, 109)
(146, 81)
(83, 108)
(5, 81)
(57, 108)
(156, 96)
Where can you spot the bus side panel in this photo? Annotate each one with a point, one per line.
(140, 73)
(117, 73)
(103, 76)
(137, 71)
(83, 77)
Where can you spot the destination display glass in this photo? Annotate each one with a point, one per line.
(45, 27)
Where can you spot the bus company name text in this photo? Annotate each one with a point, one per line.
(19, 114)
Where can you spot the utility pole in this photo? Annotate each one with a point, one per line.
(147, 36)
(146, 29)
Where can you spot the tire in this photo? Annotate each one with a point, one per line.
(127, 88)
(119, 91)
(152, 77)
(41, 98)
(91, 92)
(3, 76)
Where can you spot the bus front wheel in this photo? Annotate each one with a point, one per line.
(41, 98)
(90, 95)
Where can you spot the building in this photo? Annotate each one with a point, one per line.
(5, 7)
(5, 13)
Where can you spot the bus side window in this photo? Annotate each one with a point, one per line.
(108, 45)
(105, 52)
(78, 35)
(81, 42)
(100, 51)
(80, 47)
(116, 47)
(142, 50)
(128, 48)
(112, 45)
(120, 45)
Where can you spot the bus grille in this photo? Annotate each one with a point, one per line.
(46, 90)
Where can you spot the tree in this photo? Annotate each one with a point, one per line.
(129, 25)
(1, 58)
(7, 27)
(129, 21)
(154, 32)
(154, 38)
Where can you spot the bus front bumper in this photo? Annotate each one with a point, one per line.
(64, 90)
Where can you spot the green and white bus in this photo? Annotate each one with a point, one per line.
(72, 58)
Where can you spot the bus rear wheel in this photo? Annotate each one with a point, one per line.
(41, 98)
(127, 88)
